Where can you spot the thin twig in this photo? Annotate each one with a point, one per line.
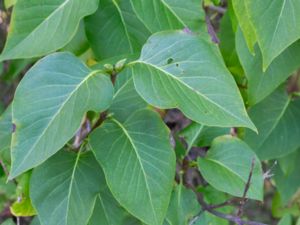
(223, 204)
(244, 199)
(211, 30)
(217, 9)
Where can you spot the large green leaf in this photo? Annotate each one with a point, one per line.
(261, 84)
(49, 105)
(277, 121)
(227, 166)
(138, 163)
(64, 189)
(39, 27)
(115, 29)
(158, 15)
(183, 206)
(276, 25)
(178, 69)
(6, 129)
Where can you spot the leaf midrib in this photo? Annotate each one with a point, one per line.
(71, 184)
(140, 162)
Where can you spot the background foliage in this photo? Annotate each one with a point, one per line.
(161, 112)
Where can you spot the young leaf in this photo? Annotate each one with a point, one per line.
(158, 15)
(138, 163)
(6, 129)
(49, 105)
(115, 29)
(48, 24)
(261, 84)
(183, 206)
(227, 166)
(276, 26)
(23, 206)
(183, 70)
(64, 189)
(277, 121)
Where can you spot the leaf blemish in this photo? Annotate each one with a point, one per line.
(170, 60)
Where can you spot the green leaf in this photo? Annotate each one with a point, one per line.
(35, 221)
(241, 9)
(227, 167)
(9, 3)
(288, 182)
(107, 211)
(15, 68)
(288, 163)
(6, 129)
(49, 105)
(138, 162)
(23, 206)
(227, 45)
(126, 100)
(8, 222)
(115, 29)
(158, 15)
(261, 84)
(64, 189)
(48, 24)
(79, 43)
(276, 26)
(286, 220)
(191, 134)
(183, 206)
(177, 69)
(277, 121)
(197, 135)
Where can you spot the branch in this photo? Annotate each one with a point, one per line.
(217, 9)
(211, 30)
(211, 208)
(244, 199)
